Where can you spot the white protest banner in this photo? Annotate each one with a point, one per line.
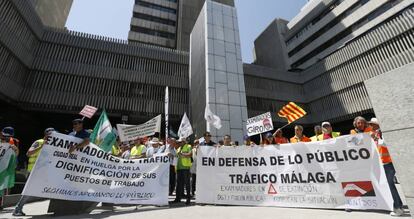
(91, 174)
(259, 124)
(132, 132)
(88, 111)
(345, 172)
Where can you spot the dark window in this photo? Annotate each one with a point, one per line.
(155, 6)
(153, 32)
(154, 19)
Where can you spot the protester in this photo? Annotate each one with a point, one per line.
(32, 153)
(171, 151)
(299, 136)
(360, 126)
(327, 132)
(155, 148)
(138, 150)
(248, 141)
(278, 137)
(385, 156)
(116, 148)
(268, 139)
(125, 152)
(79, 132)
(207, 140)
(6, 137)
(9, 134)
(193, 169)
(227, 140)
(318, 132)
(184, 154)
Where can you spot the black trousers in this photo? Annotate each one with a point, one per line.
(172, 179)
(193, 183)
(183, 179)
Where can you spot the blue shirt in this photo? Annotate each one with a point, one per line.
(81, 134)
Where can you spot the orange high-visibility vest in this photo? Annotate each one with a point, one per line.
(384, 154)
(383, 151)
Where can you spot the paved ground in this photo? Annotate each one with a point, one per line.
(38, 210)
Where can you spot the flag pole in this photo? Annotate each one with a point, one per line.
(289, 123)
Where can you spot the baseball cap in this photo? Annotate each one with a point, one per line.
(77, 121)
(7, 131)
(374, 121)
(49, 131)
(326, 123)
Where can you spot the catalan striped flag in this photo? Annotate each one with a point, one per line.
(291, 112)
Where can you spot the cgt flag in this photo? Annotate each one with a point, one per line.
(211, 118)
(185, 129)
(291, 112)
(103, 134)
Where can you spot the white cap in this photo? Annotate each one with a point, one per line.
(326, 123)
(374, 121)
(154, 141)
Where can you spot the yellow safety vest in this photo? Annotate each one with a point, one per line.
(33, 157)
(115, 150)
(184, 162)
(137, 150)
(334, 135)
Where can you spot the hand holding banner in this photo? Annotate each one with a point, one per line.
(344, 172)
(91, 174)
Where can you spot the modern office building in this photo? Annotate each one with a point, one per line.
(166, 23)
(321, 60)
(48, 75)
(322, 57)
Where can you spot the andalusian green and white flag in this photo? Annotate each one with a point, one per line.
(102, 134)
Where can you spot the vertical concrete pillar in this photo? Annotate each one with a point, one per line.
(216, 71)
(392, 97)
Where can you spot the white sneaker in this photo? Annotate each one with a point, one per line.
(398, 212)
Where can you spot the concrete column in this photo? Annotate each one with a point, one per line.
(392, 97)
(216, 71)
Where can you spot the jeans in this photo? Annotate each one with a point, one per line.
(172, 179)
(183, 179)
(390, 173)
(193, 183)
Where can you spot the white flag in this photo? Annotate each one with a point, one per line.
(211, 118)
(185, 129)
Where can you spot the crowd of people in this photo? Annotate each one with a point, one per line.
(183, 154)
